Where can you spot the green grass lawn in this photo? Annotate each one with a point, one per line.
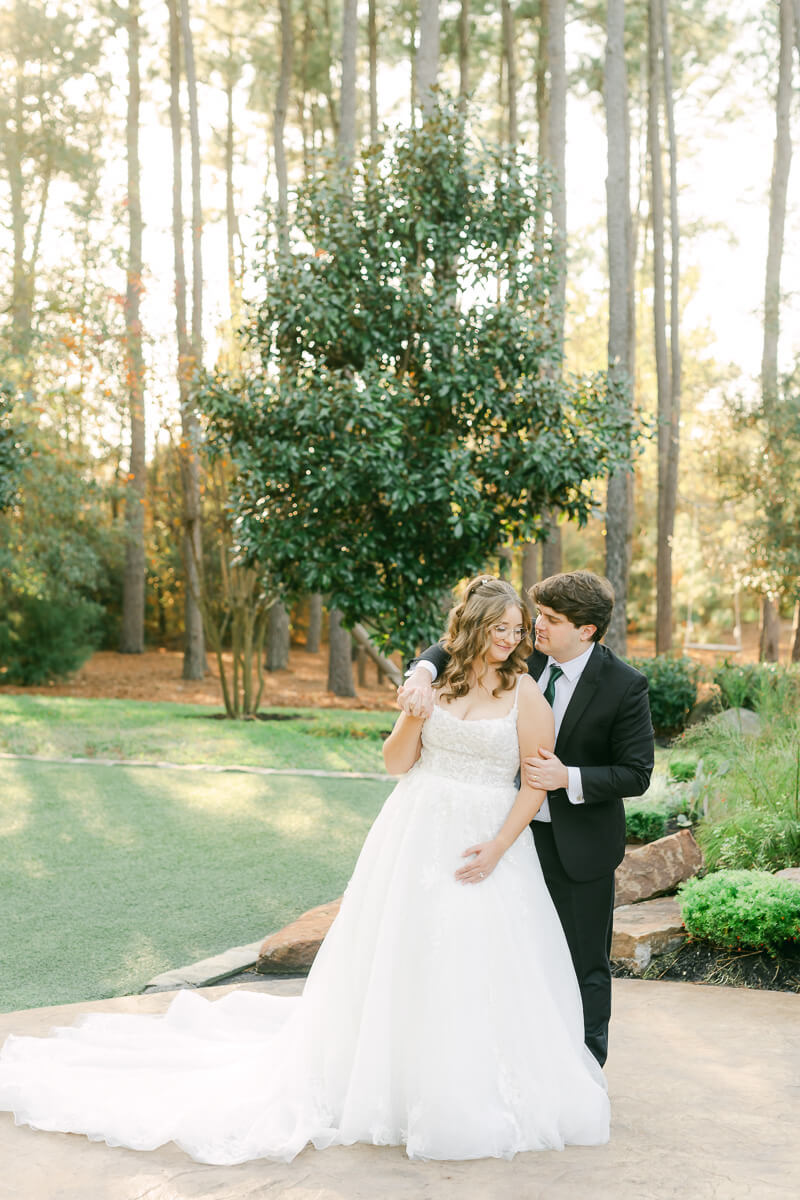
(60, 727)
(110, 875)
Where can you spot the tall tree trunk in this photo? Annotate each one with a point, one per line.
(277, 658)
(664, 536)
(620, 310)
(769, 633)
(194, 659)
(279, 123)
(509, 43)
(673, 442)
(463, 55)
(781, 164)
(347, 125)
(794, 649)
(232, 232)
(555, 110)
(428, 54)
(530, 565)
(314, 635)
(194, 652)
(372, 44)
(133, 584)
(340, 658)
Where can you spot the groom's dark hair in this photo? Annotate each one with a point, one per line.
(581, 596)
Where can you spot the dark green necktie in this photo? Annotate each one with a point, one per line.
(550, 690)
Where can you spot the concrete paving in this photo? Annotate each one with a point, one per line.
(705, 1093)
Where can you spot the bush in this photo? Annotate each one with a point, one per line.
(645, 822)
(749, 791)
(742, 685)
(43, 639)
(673, 691)
(682, 770)
(739, 910)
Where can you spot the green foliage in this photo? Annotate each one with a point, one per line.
(762, 463)
(673, 691)
(58, 556)
(750, 790)
(757, 686)
(645, 822)
(44, 639)
(417, 416)
(12, 450)
(739, 910)
(682, 769)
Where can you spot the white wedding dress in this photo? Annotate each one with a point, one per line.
(439, 1015)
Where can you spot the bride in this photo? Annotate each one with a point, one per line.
(442, 1011)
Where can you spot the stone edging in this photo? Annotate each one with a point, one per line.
(208, 767)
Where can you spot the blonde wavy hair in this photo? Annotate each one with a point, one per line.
(469, 636)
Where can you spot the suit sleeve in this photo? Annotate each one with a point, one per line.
(437, 655)
(631, 751)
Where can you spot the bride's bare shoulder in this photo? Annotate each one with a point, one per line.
(530, 697)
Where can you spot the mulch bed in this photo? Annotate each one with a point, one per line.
(699, 962)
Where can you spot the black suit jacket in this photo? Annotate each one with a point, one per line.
(607, 732)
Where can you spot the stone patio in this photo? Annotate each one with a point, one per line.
(705, 1103)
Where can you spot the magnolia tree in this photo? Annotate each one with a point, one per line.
(405, 411)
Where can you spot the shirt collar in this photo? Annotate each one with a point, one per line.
(574, 668)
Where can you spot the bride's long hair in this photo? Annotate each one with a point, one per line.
(469, 636)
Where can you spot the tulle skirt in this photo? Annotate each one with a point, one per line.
(438, 1015)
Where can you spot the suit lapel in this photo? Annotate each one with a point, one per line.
(537, 663)
(582, 696)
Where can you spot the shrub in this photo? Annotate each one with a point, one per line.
(673, 691)
(741, 685)
(645, 822)
(43, 639)
(682, 770)
(736, 910)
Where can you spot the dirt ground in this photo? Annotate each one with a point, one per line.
(156, 676)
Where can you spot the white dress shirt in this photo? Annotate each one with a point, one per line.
(565, 687)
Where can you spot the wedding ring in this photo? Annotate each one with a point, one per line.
(481, 874)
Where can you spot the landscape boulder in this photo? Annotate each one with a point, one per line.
(742, 720)
(644, 930)
(292, 950)
(656, 868)
(790, 873)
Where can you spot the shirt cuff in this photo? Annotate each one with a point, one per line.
(575, 786)
(422, 662)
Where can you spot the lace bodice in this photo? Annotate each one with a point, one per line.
(484, 752)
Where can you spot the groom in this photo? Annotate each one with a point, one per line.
(603, 752)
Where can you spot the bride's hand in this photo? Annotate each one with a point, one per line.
(483, 860)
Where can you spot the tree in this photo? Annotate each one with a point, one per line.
(782, 160)
(412, 426)
(189, 351)
(50, 95)
(347, 127)
(428, 54)
(620, 306)
(12, 449)
(552, 105)
(133, 584)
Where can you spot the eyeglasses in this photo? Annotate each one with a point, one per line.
(504, 631)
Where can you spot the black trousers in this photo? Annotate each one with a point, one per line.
(586, 911)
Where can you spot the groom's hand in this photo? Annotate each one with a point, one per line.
(415, 697)
(545, 772)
